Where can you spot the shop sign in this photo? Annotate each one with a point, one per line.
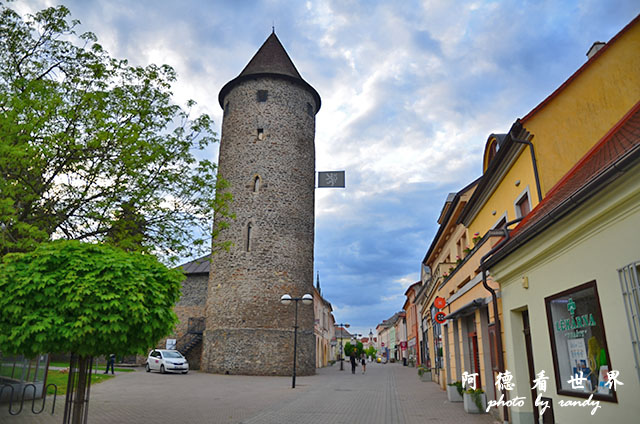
(575, 323)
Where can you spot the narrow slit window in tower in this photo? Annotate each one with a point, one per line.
(260, 134)
(248, 246)
(256, 184)
(226, 109)
(310, 109)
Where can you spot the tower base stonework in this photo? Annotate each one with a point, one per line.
(258, 352)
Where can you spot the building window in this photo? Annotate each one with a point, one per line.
(260, 134)
(248, 241)
(579, 343)
(493, 149)
(256, 184)
(523, 204)
(226, 108)
(309, 109)
(502, 222)
(263, 95)
(630, 284)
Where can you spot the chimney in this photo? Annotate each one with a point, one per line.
(594, 48)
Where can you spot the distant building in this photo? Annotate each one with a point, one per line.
(323, 327)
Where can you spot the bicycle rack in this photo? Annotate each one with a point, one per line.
(33, 400)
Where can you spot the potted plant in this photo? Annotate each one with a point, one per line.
(475, 401)
(424, 373)
(476, 238)
(454, 391)
(466, 250)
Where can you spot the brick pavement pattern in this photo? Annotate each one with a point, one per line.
(386, 394)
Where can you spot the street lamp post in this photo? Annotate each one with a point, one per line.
(286, 299)
(342, 327)
(371, 338)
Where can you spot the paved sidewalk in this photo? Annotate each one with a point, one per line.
(386, 394)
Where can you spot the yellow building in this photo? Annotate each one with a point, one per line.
(569, 277)
(520, 168)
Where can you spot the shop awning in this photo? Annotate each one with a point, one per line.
(466, 309)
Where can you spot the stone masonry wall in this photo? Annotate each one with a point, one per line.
(248, 331)
(193, 296)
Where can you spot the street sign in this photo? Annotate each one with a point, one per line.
(331, 179)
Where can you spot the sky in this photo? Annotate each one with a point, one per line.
(410, 92)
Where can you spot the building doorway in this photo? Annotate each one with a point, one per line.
(529, 349)
(472, 338)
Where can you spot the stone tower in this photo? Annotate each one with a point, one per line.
(267, 155)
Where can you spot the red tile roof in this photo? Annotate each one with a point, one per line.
(590, 173)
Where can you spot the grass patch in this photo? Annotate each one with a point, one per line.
(100, 367)
(60, 379)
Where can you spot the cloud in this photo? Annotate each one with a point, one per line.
(410, 91)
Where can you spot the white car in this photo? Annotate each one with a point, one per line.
(165, 360)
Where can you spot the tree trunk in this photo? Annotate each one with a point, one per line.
(78, 386)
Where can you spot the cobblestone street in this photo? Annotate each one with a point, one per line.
(386, 394)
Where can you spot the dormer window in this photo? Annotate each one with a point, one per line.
(493, 149)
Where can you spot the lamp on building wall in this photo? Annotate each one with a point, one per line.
(286, 299)
(341, 327)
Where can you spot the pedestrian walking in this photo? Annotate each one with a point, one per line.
(111, 360)
(364, 363)
(352, 358)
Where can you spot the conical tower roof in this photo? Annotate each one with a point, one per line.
(271, 60)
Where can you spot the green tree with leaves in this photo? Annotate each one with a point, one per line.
(87, 299)
(358, 347)
(93, 148)
(348, 349)
(371, 352)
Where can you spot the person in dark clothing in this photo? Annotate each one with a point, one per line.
(353, 361)
(111, 360)
(363, 358)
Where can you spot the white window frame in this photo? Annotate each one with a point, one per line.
(630, 287)
(506, 219)
(525, 192)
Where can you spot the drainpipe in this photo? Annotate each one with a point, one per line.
(533, 161)
(504, 231)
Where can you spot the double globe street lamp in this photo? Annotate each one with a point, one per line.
(286, 299)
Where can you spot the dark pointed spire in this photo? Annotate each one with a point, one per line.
(318, 282)
(271, 60)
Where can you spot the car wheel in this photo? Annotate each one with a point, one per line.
(146, 368)
(162, 371)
